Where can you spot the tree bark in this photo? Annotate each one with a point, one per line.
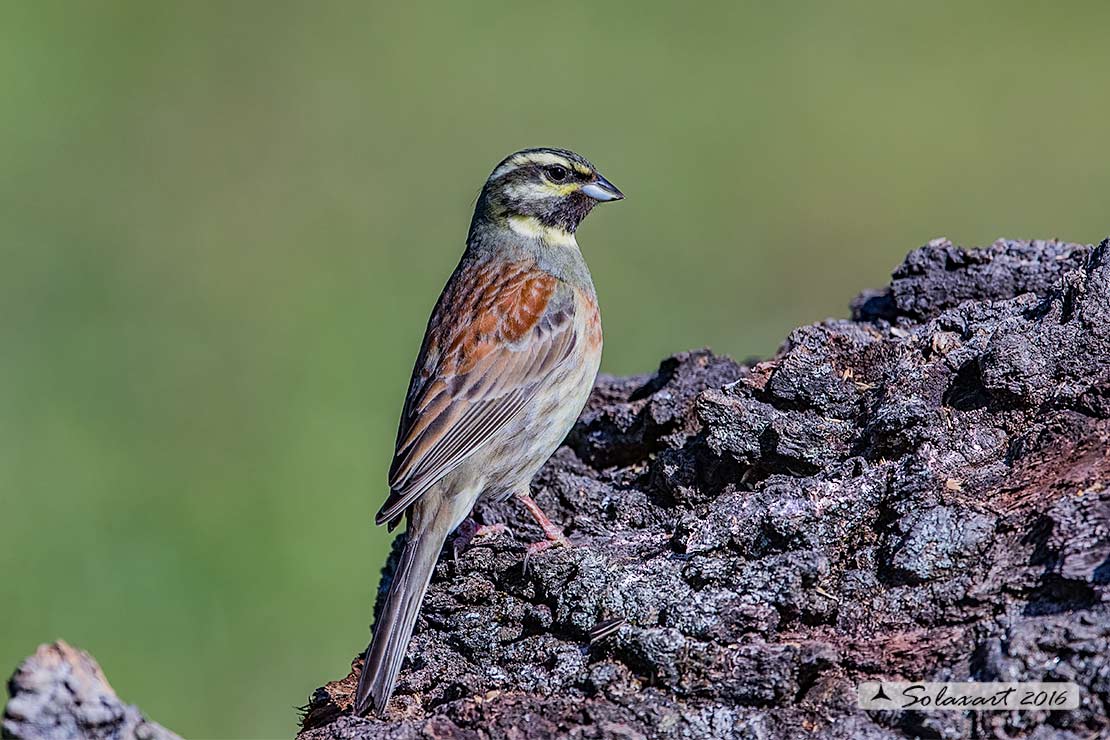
(60, 692)
(919, 492)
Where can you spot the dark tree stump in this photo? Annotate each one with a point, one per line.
(920, 492)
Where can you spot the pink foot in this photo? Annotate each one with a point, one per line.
(553, 533)
(470, 530)
(538, 547)
(550, 531)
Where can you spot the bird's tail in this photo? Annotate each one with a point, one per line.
(397, 619)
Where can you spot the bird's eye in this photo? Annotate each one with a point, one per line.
(557, 173)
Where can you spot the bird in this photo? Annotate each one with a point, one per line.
(509, 357)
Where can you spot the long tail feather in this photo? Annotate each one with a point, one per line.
(394, 626)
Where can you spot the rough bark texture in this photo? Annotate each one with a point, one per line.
(918, 492)
(61, 693)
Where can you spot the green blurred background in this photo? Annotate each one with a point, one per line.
(222, 226)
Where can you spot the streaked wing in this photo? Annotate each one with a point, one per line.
(499, 330)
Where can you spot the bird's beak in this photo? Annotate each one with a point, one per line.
(602, 190)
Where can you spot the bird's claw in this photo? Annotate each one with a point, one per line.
(469, 531)
(555, 538)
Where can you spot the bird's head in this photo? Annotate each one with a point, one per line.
(545, 192)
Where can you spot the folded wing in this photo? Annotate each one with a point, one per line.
(498, 332)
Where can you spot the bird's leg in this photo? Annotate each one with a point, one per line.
(471, 530)
(553, 533)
